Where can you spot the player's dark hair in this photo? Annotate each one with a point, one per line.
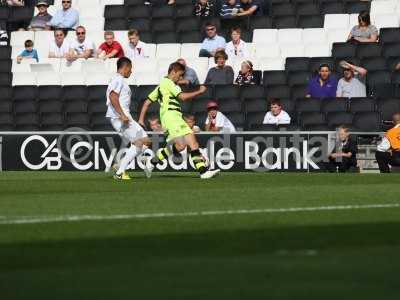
(133, 32)
(122, 62)
(28, 43)
(324, 65)
(236, 29)
(344, 127)
(176, 67)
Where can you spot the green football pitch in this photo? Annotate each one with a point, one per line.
(66, 235)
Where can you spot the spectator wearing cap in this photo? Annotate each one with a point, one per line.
(190, 76)
(212, 43)
(276, 115)
(353, 82)
(236, 48)
(364, 32)
(110, 48)
(82, 47)
(39, 22)
(59, 47)
(136, 48)
(250, 8)
(388, 151)
(345, 156)
(246, 74)
(216, 120)
(221, 73)
(65, 18)
(323, 85)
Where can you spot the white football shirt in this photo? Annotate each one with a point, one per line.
(140, 51)
(282, 118)
(119, 86)
(60, 51)
(82, 47)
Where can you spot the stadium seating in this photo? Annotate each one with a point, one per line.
(287, 45)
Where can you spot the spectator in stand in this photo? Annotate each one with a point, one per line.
(155, 125)
(345, 157)
(191, 121)
(364, 32)
(60, 48)
(388, 151)
(39, 22)
(190, 76)
(250, 8)
(65, 18)
(220, 74)
(323, 85)
(204, 8)
(246, 74)
(353, 82)
(110, 48)
(15, 3)
(216, 120)
(212, 43)
(136, 48)
(229, 9)
(29, 52)
(81, 46)
(236, 48)
(276, 115)
(397, 68)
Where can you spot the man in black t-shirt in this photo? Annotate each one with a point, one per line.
(344, 157)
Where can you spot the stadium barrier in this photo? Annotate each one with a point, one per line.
(97, 151)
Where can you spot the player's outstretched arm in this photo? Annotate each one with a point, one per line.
(190, 95)
(143, 112)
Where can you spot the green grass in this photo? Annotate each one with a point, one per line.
(348, 254)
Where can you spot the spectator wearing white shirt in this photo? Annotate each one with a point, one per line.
(60, 48)
(276, 115)
(236, 48)
(216, 120)
(81, 46)
(136, 48)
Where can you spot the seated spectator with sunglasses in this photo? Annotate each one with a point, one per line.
(60, 48)
(212, 43)
(39, 22)
(65, 18)
(81, 46)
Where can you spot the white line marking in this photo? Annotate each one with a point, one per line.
(4, 220)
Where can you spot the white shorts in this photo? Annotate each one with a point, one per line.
(131, 132)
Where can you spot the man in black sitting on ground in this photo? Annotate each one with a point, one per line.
(344, 158)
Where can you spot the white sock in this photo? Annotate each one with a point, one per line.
(130, 155)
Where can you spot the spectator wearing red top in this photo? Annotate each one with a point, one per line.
(110, 48)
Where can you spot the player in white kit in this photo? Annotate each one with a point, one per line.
(118, 102)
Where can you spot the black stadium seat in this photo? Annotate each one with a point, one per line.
(115, 12)
(260, 22)
(332, 8)
(25, 106)
(237, 119)
(283, 22)
(341, 50)
(6, 106)
(138, 11)
(255, 105)
(283, 9)
(274, 78)
(71, 93)
(297, 64)
(97, 92)
(163, 11)
(5, 93)
(362, 105)
(80, 120)
(21, 93)
(369, 50)
(49, 92)
(26, 122)
(254, 120)
(315, 21)
(310, 120)
(98, 106)
(367, 121)
(133, 2)
(251, 91)
(299, 91)
(5, 52)
(115, 24)
(374, 63)
(6, 121)
(355, 7)
(307, 9)
(278, 91)
(308, 105)
(187, 24)
(391, 50)
(298, 78)
(389, 35)
(230, 105)
(334, 105)
(140, 24)
(387, 107)
(185, 10)
(336, 119)
(99, 122)
(165, 37)
(165, 24)
(227, 92)
(193, 36)
(4, 12)
(50, 106)
(52, 121)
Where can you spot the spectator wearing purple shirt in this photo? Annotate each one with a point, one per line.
(324, 85)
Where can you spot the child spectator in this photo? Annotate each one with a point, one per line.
(216, 120)
(229, 9)
(203, 8)
(29, 52)
(191, 121)
(276, 115)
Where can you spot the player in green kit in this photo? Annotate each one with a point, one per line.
(179, 135)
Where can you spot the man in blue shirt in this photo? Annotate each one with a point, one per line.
(323, 85)
(212, 43)
(65, 18)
